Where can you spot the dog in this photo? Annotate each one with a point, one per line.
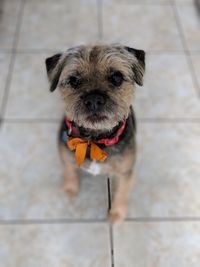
(97, 84)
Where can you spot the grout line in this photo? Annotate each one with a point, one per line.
(141, 3)
(6, 51)
(184, 3)
(7, 86)
(18, 25)
(109, 194)
(154, 3)
(100, 18)
(172, 52)
(186, 49)
(90, 221)
(168, 120)
(50, 221)
(110, 225)
(139, 120)
(12, 59)
(111, 245)
(31, 50)
(24, 120)
(163, 219)
(55, 50)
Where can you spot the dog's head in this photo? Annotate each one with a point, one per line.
(97, 82)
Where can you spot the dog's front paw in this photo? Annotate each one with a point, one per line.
(117, 215)
(71, 188)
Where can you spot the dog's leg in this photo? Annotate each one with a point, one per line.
(71, 179)
(123, 171)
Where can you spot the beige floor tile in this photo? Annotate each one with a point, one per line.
(8, 16)
(31, 178)
(167, 171)
(196, 63)
(29, 95)
(55, 245)
(141, 26)
(190, 20)
(4, 64)
(58, 24)
(168, 91)
(157, 244)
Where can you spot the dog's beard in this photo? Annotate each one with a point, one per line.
(102, 122)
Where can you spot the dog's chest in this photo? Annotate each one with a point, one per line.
(93, 167)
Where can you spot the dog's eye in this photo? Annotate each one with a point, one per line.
(74, 81)
(116, 78)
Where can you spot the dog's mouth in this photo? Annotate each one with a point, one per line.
(95, 118)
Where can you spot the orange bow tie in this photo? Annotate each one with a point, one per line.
(80, 147)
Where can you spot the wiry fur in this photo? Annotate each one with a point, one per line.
(93, 65)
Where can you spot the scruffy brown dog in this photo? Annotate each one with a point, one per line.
(97, 84)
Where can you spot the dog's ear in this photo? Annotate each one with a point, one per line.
(53, 70)
(139, 66)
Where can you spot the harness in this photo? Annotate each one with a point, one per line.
(72, 138)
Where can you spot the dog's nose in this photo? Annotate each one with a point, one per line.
(94, 102)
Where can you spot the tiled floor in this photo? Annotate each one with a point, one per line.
(39, 226)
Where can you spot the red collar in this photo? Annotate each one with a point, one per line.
(72, 129)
